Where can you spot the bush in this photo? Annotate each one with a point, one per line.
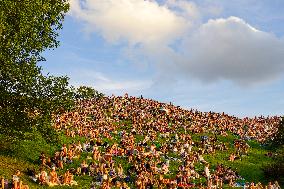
(275, 171)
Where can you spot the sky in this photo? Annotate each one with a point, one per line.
(209, 55)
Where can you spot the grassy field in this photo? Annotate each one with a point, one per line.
(25, 155)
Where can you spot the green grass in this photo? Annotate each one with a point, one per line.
(249, 167)
(25, 155)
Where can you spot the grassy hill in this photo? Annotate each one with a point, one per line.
(114, 117)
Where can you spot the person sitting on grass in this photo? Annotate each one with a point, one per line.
(17, 184)
(65, 150)
(117, 184)
(207, 171)
(43, 178)
(70, 155)
(59, 164)
(84, 167)
(68, 179)
(78, 149)
(49, 163)
(125, 186)
(4, 183)
(232, 157)
(276, 185)
(165, 168)
(120, 171)
(42, 157)
(105, 185)
(53, 178)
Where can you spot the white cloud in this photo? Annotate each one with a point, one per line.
(134, 21)
(162, 35)
(233, 50)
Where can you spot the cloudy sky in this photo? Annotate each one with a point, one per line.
(210, 55)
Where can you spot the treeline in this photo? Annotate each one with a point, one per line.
(28, 98)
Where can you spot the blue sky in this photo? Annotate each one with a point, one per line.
(222, 56)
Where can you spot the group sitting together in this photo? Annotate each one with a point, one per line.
(140, 143)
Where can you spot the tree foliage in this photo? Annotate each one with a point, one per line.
(84, 92)
(277, 141)
(275, 170)
(279, 138)
(27, 97)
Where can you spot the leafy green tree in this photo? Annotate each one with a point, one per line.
(277, 141)
(279, 138)
(84, 92)
(275, 170)
(28, 99)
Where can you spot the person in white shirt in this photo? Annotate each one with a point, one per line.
(207, 171)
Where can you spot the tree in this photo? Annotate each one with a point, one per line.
(279, 137)
(84, 92)
(27, 97)
(275, 170)
(277, 140)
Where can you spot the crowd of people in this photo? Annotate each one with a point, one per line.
(141, 143)
(16, 182)
(42, 178)
(148, 115)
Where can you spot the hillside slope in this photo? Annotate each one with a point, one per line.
(141, 142)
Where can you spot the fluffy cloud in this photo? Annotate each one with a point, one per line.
(134, 21)
(233, 50)
(163, 34)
